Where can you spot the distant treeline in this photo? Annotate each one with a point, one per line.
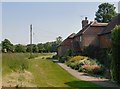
(7, 46)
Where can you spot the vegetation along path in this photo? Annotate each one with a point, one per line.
(82, 76)
(39, 71)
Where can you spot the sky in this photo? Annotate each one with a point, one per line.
(49, 19)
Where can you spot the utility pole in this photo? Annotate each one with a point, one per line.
(31, 40)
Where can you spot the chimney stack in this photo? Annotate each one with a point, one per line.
(84, 22)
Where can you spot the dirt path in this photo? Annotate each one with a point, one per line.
(82, 76)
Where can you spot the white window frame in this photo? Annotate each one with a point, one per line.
(80, 38)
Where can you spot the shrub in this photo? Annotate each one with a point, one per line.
(69, 52)
(74, 65)
(88, 61)
(93, 69)
(63, 59)
(77, 58)
(55, 57)
(80, 69)
(116, 54)
(90, 51)
(85, 64)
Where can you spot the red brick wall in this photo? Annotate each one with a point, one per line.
(90, 36)
(105, 41)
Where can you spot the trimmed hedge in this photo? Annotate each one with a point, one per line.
(116, 54)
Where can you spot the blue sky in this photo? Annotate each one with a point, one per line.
(49, 19)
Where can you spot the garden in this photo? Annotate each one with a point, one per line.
(105, 63)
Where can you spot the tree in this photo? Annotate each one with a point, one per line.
(116, 54)
(28, 48)
(40, 47)
(59, 40)
(105, 12)
(34, 48)
(47, 46)
(6, 44)
(20, 48)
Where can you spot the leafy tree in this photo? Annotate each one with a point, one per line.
(6, 44)
(47, 46)
(116, 54)
(40, 47)
(105, 12)
(34, 48)
(20, 48)
(54, 46)
(28, 48)
(59, 40)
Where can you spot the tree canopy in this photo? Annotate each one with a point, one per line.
(20, 48)
(6, 44)
(105, 12)
(40, 47)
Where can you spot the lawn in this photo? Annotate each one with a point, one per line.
(45, 72)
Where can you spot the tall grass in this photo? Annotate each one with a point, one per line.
(14, 62)
(17, 61)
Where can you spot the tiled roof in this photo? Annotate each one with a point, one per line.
(84, 28)
(71, 36)
(115, 21)
(99, 24)
(68, 40)
(92, 23)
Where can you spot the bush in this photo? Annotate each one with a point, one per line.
(55, 57)
(72, 65)
(90, 51)
(116, 54)
(85, 64)
(62, 59)
(101, 54)
(69, 52)
(80, 69)
(92, 69)
(88, 61)
(77, 58)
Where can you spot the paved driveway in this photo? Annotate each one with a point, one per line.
(83, 76)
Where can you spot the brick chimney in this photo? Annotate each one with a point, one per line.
(84, 22)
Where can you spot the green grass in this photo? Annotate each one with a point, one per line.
(45, 72)
(49, 74)
(13, 62)
(16, 61)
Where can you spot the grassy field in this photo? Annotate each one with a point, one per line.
(45, 73)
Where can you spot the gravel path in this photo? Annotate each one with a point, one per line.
(82, 76)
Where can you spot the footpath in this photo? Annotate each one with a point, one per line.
(86, 77)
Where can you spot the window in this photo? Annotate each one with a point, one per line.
(80, 38)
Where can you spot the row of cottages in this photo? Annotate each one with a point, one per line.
(92, 33)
